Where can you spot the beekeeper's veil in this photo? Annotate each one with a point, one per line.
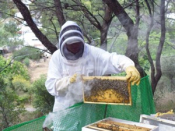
(70, 33)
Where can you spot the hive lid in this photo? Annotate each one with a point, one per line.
(107, 90)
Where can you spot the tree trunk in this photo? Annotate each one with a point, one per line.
(160, 46)
(59, 12)
(105, 26)
(27, 17)
(131, 31)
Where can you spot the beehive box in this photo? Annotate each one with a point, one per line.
(164, 124)
(107, 90)
(114, 124)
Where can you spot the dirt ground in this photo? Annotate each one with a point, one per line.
(38, 68)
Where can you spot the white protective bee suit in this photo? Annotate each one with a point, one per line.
(91, 61)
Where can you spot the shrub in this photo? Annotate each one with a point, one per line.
(10, 67)
(24, 98)
(26, 61)
(20, 83)
(10, 106)
(42, 100)
(27, 52)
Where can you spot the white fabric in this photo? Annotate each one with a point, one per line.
(94, 62)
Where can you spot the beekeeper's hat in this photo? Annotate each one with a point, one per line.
(70, 33)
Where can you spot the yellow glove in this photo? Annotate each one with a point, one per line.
(132, 75)
(73, 78)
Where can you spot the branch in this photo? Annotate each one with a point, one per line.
(170, 45)
(147, 41)
(137, 12)
(162, 39)
(115, 37)
(27, 17)
(13, 58)
(16, 18)
(123, 17)
(59, 12)
(38, 49)
(130, 4)
(93, 20)
(54, 27)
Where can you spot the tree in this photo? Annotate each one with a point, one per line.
(131, 30)
(132, 33)
(27, 17)
(9, 36)
(9, 113)
(10, 104)
(168, 70)
(156, 69)
(91, 14)
(101, 24)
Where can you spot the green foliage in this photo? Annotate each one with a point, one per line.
(42, 100)
(10, 108)
(19, 68)
(50, 32)
(26, 61)
(154, 40)
(171, 30)
(143, 60)
(49, 21)
(14, 81)
(20, 83)
(87, 3)
(153, 44)
(168, 66)
(24, 98)
(11, 27)
(10, 67)
(27, 52)
(9, 36)
(6, 8)
(118, 44)
(168, 49)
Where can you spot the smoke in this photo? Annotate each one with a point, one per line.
(75, 92)
(88, 86)
(48, 122)
(74, 95)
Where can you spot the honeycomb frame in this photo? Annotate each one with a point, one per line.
(108, 95)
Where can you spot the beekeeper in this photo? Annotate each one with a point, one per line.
(75, 57)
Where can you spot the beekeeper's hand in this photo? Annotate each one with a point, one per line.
(63, 83)
(73, 78)
(133, 75)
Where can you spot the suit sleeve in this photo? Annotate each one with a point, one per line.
(110, 63)
(55, 83)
